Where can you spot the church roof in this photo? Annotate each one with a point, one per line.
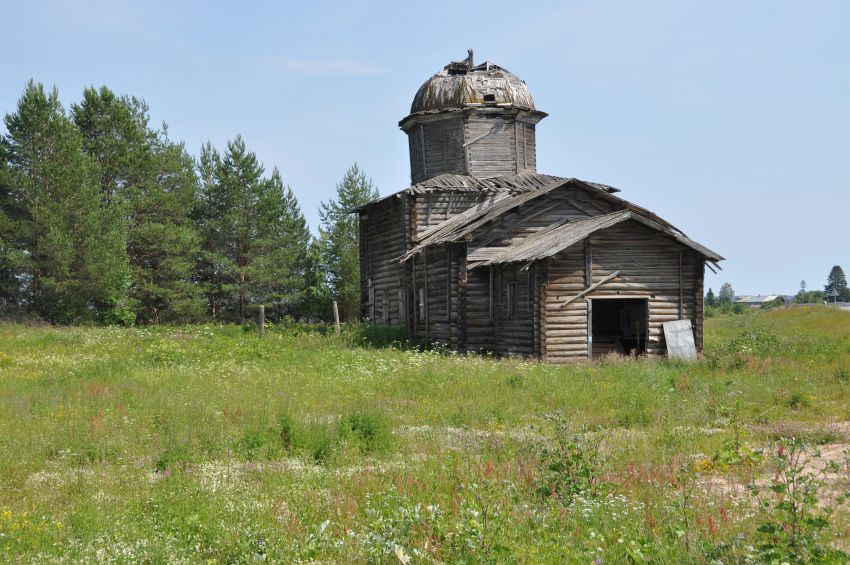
(561, 235)
(520, 182)
(463, 85)
(462, 225)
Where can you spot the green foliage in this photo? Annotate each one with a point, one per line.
(570, 464)
(836, 286)
(151, 182)
(340, 237)
(174, 457)
(710, 299)
(727, 296)
(759, 340)
(255, 239)
(368, 432)
(63, 249)
(796, 519)
(161, 443)
(377, 335)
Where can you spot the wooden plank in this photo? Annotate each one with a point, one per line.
(589, 337)
(589, 289)
(679, 335)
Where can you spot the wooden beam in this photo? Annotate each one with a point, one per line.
(681, 290)
(588, 262)
(427, 310)
(590, 329)
(590, 289)
(422, 144)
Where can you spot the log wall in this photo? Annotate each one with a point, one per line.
(492, 149)
(649, 265)
(436, 148)
(501, 311)
(383, 233)
(436, 296)
(434, 208)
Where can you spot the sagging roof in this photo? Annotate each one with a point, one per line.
(561, 235)
(463, 224)
(516, 183)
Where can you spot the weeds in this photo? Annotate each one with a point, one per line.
(570, 463)
(796, 517)
(205, 443)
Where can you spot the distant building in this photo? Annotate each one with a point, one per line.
(758, 301)
(482, 252)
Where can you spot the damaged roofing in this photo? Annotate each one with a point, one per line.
(507, 197)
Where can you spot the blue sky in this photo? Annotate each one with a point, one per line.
(730, 119)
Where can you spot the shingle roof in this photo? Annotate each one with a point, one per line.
(515, 183)
(559, 236)
(463, 224)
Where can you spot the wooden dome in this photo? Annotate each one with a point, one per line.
(463, 85)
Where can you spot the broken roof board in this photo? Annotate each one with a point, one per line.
(520, 182)
(549, 241)
(460, 226)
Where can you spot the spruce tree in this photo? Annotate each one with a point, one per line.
(341, 236)
(836, 283)
(710, 299)
(70, 248)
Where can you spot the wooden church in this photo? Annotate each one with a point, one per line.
(484, 254)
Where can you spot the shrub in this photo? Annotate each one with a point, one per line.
(369, 432)
(795, 518)
(378, 335)
(570, 463)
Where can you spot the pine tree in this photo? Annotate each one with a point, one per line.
(71, 248)
(710, 299)
(13, 217)
(255, 238)
(164, 242)
(278, 256)
(341, 237)
(215, 267)
(150, 183)
(116, 135)
(836, 283)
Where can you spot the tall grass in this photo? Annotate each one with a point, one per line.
(206, 442)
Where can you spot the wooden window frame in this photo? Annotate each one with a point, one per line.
(511, 310)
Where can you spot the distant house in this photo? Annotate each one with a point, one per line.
(483, 253)
(758, 301)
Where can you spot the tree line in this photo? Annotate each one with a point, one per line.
(836, 289)
(106, 219)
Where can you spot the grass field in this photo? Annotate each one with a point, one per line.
(209, 444)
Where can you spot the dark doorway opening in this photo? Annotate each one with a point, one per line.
(619, 325)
